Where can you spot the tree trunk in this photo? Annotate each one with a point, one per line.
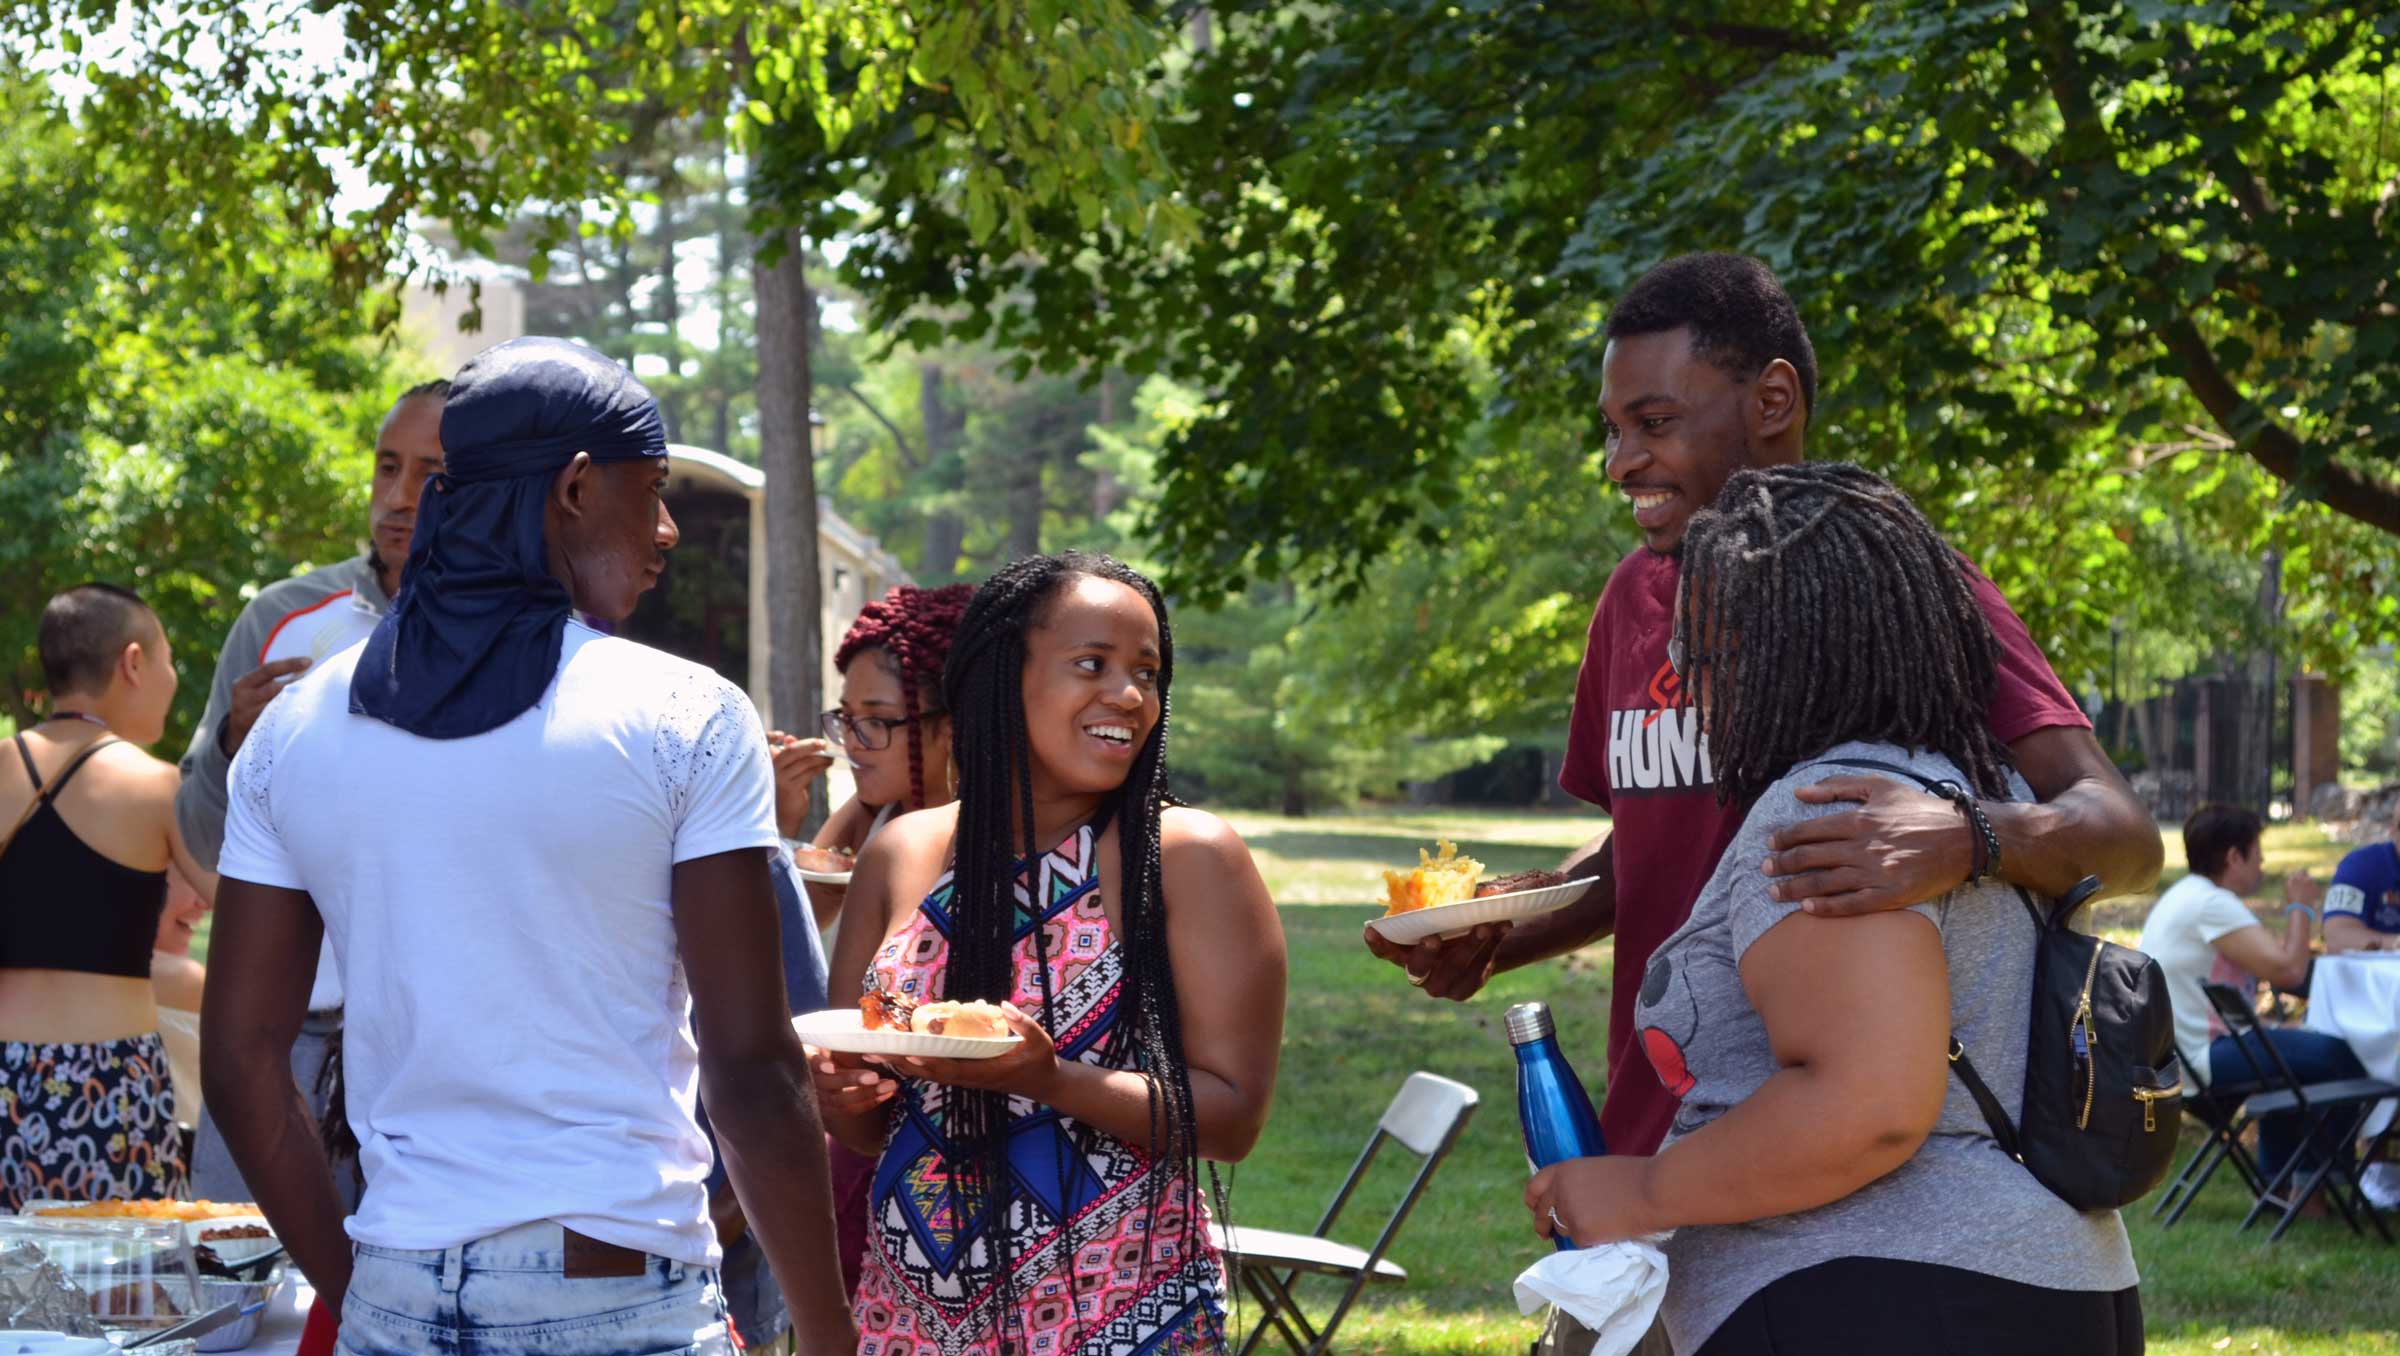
(728, 250)
(1105, 490)
(1295, 790)
(945, 532)
(670, 302)
(1025, 508)
(2138, 712)
(945, 541)
(794, 609)
(2170, 733)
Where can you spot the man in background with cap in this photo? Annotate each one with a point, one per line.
(589, 878)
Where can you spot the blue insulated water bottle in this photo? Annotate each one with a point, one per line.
(1551, 1103)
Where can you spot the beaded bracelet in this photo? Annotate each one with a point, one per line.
(1980, 833)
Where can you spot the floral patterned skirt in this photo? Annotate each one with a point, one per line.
(88, 1122)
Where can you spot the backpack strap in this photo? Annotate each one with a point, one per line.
(1995, 1117)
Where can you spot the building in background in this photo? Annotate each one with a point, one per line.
(711, 604)
(430, 320)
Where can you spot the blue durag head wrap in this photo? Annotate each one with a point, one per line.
(473, 639)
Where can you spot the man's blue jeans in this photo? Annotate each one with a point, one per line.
(509, 1295)
(2314, 1057)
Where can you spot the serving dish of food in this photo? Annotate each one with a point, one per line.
(116, 1277)
(228, 1238)
(1446, 894)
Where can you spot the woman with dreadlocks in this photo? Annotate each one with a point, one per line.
(1832, 1188)
(1049, 1201)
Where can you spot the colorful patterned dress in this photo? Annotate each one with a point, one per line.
(926, 1289)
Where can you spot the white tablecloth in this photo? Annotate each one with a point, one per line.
(2357, 998)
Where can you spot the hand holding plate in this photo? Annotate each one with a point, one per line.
(1025, 1069)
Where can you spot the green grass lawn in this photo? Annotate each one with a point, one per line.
(1355, 1030)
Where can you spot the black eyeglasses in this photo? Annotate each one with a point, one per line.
(865, 732)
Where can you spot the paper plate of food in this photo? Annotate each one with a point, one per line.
(1445, 894)
(887, 1024)
(825, 866)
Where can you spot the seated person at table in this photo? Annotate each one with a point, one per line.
(2362, 910)
(2200, 930)
(1831, 1185)
(87, 831)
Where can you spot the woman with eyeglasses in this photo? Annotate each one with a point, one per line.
(889, 727)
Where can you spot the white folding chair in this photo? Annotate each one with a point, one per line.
(1426, 1118)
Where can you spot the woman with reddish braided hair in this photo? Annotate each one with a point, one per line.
(904, 639)
(891, 662)
(907, 632)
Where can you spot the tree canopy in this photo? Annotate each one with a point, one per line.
(2057, 259)
(188, 420)
(2107, 286)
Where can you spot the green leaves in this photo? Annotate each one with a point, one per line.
(1991, 217)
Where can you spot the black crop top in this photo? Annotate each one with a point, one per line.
(63, 906)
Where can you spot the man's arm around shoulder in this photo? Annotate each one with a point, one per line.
(1897, 846)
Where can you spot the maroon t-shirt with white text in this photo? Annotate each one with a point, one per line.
(1635, 749)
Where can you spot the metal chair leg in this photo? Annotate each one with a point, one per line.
(1291, 1308)
(2180, 1193)
(1271, 1313)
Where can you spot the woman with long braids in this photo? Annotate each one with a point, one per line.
(1049, 1201)
(1832, 1187)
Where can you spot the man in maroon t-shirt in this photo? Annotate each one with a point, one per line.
(1708, 369)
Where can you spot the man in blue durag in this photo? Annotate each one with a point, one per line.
(588, 878)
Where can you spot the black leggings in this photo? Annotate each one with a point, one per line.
(1863, 1304)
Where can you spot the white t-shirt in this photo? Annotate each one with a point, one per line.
(316, 632)
(2180, 934)
(518, 1038)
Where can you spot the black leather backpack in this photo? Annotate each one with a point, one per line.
(2103, 1085)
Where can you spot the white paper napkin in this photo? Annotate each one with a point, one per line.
(1613, 1289)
